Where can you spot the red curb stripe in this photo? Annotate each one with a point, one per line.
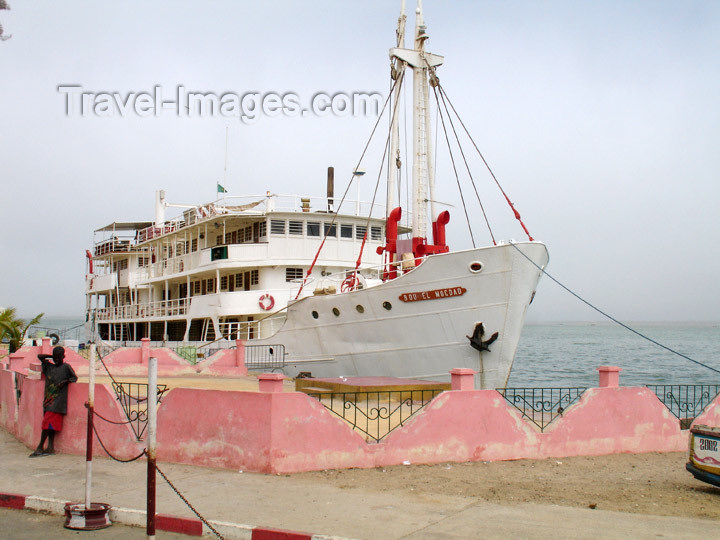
(10, 500)
(277, 534)
(191, 527)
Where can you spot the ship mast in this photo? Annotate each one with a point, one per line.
(423, 173)
(397, 67)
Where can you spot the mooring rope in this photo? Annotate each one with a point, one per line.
(604, 314)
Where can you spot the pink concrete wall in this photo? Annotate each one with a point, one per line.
(215, 428)
(283, 432)
(23, 357)
(129, 361)
(72, 439)
(226, 362)
(8, 401)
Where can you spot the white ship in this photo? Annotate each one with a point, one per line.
(309, 286)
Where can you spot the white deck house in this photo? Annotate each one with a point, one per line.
(202, 275)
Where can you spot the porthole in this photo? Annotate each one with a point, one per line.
(315, 314)
(336, 312)
(387, 305)
(475, 267)
(360, 309)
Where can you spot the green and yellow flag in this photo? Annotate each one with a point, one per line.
(221, 189)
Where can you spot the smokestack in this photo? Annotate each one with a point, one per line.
(159, 208)
(330, 188)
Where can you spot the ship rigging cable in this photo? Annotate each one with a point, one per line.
(354, 178)
(457, 178)
(467, 167)
(512, 206)
(601, 312)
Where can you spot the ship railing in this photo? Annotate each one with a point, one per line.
(295, 203)
(114, 245)
(161, 308)
(337, 282)
(249, 330)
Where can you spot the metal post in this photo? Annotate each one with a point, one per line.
(90, 419)
(151, 442)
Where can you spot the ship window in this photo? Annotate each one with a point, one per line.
(360, 309)
(360, 231)
(313, 228)
(193, 244)
(375, 233)
(336, 312)
(346, 231)
(315, 314)
(295, 227)
(262, 231)
(228, 238)
(223, 283)
(291, 274)
(238, 281)
(219, 240)
(248, 234)
(211, 286)
(196, 287)
(331, 230)
(254, 277)
(277, 226)
(143, 261)
(387, 305)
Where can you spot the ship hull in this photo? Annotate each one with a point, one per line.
(417, 325)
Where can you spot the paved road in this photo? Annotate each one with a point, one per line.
(301, 504)
(26, 525)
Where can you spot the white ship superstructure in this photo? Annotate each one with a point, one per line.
(317, 289)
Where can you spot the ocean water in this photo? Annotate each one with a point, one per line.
(564, 355)
(66, 328)
(569, 354)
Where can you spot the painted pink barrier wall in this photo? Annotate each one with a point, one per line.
(23, 357)
(133, 361)
(72, 439)
(283, 432)
(8, 401)
(226, 362)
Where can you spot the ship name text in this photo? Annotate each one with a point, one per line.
(432, 295)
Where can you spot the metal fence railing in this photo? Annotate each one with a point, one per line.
(264, 356)
(133, 399)
(541, 405)
(375, 414)
(685, 401)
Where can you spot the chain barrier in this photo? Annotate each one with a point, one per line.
(113, 457)
(205, 521)
(106, 420)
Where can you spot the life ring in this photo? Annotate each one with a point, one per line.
(267, 302)
(55, 338)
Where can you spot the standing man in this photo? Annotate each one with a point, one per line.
(57, 377)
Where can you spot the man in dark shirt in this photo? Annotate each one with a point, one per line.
(57, 377)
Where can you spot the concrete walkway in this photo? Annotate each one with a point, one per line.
(297, 504)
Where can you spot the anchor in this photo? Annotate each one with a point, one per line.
(476, 341)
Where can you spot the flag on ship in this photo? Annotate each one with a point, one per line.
(221, 189)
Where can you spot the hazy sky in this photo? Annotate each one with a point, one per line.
(601, 120)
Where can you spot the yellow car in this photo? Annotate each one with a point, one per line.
(704, 461)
